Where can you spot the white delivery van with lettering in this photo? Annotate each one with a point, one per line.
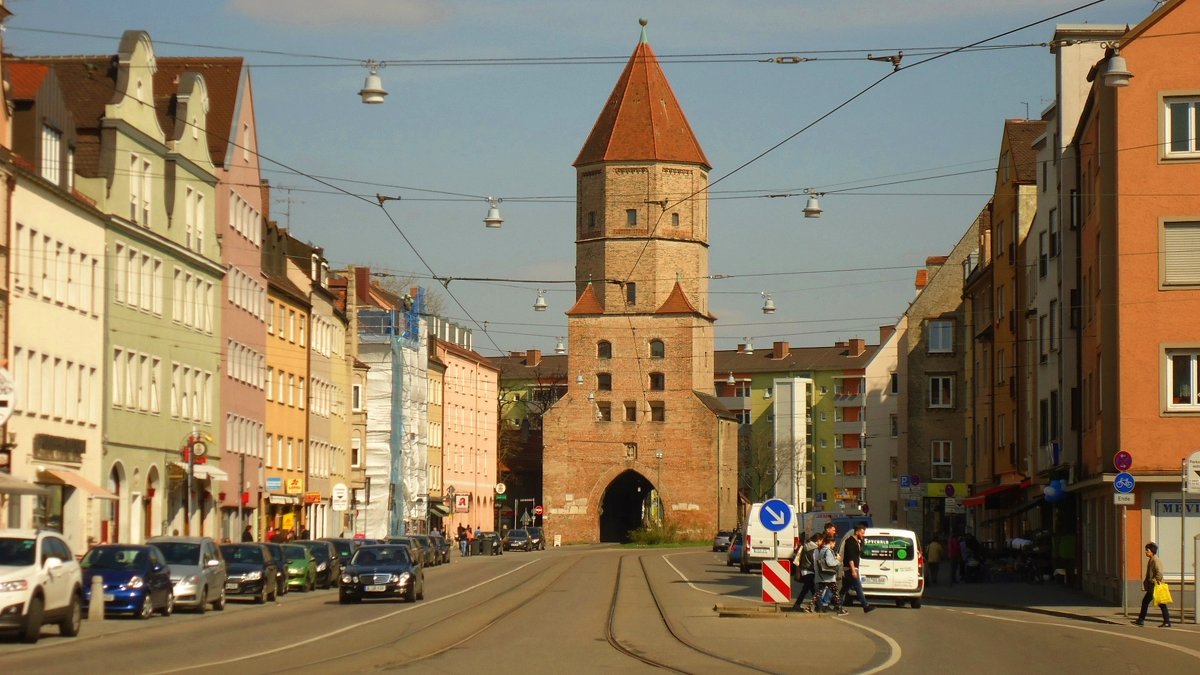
(893, 565)
(761, 543)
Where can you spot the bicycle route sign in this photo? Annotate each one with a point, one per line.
(1123, 483)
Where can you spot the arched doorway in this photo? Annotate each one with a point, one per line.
(626, 505)
(110, 529)
(150, 498)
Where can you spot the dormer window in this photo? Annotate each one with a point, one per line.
(51, 154)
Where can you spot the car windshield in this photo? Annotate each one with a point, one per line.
(518, 534)
(344, 548)
(291, 553)
(179, 553)
(319, 551)
(242, 554)
(114, 558)
(376, 555)
(17, 552)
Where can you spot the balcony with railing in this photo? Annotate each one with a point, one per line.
(850, 455)
(851, 482)
(856, 427)
(849, 400)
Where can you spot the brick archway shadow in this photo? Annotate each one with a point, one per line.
(623, 505)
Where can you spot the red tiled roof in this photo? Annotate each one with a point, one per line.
(88, 83)
(26, 78)
(677, 303)
(642, 119)
(587, 303)
(1021, 135)
(222, 76)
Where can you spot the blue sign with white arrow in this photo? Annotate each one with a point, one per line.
(775, 514)
(1123, 483)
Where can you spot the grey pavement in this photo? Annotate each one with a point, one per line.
(1051, 599)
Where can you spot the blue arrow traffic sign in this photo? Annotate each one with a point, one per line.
(1123, 483)
(775, 514)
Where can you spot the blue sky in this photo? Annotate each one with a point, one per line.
(449, 135)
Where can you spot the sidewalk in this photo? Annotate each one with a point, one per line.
(1051, 599)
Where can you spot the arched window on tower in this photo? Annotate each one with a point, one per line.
(657, 349)
(604, 349)
(658, 382)
(604, 381)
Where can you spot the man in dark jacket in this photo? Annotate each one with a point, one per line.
(851, 558)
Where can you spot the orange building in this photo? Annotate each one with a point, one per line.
(1137, 217)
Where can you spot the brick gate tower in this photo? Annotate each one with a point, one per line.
(640, 435)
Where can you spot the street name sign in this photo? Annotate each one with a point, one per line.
(775, 514)
(1123, 499)
(1123, 483)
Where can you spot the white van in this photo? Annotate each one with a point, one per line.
(761, 544)
(893, 566)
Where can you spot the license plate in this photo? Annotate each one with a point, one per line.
(231, 587)
(109, 597)
(876, 579)
(375, 588)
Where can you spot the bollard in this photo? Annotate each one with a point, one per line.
(96, 606)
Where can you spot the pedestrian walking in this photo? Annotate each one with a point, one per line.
(933, 558)
(851, 558)
(804, 561)
(954, 555)
(1152, 579)
(248, 534)
(826, 566)
(461, 536)
(470, 540)
(304, 532)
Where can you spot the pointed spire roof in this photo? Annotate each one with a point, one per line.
(642, 119)
(677, 303)
(587, 303)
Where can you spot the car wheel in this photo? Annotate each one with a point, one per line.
(169, 608)
(744, 567)
(147, 609)
(69, 627)
(915, 603)
(219, 604)
(421, 593)
(203, 606)
(343, 599)
(32, 630)
(262, 596)
(899, 602)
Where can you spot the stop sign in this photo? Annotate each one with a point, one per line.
(537, 510)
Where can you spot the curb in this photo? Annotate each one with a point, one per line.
(1033, 610)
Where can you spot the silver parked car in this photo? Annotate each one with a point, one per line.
(197, 571)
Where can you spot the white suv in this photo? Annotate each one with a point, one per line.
(40, 583)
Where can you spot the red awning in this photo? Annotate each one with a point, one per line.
(978, 499)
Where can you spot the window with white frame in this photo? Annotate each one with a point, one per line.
(941, 391)
(1183, 374)
(51, 152)
(940, 459)
(1181, 253)
(941, 336)
(1182, 126)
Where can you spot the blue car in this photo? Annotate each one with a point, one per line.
(137, 580)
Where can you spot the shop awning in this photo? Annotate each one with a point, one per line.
(75, 480)
(10, 485)
(439, 509)
(979, 499)
(283, 499)
(204, 471)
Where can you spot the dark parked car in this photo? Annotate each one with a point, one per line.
(432, 557)
(329, 567)
(382, 571)
(536, 538)
(517, 540)
(252, 571)
(281, 585)
(137, 580)
(419, 555)
(722, 539)
(441, 546)
(733, 554)
(497, 545)
(345, 548)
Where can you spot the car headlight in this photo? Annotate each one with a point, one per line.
(347, 579)
(253, 576)
(190, 581)
(17, 585)
(322, 566)
(401, 578)
(135, 582)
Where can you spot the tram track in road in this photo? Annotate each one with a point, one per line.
(612, 636)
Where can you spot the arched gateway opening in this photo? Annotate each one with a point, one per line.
(627, 505)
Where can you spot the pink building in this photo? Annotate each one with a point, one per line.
(470, 404)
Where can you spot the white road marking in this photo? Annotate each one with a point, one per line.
(892, 645)
(1184, 650)
(702, 590)
(409, 608)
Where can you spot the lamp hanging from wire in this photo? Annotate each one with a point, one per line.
(768, 304)
(1116, 71)
(560, 348)
(749, 347)
(539, 305)
(373, 91)
(730, 380)
(812, 208)
(493, 219)
(579, 379)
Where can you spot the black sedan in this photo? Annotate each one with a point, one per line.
(328, 562)
(382, 571)
(518, 540)
(252, 571)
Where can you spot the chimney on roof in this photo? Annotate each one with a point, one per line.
(533, 357)
(741, 349)
(780, 350)
(886, 332)
(842, 344)
(858, 346)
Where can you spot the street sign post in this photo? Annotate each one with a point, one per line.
(1123, 483)
(8, 395)
(1123, 499)
(537, 510)
(775, 514)
(1193, 472)
(1123, 461)
(776, 581)
(339, 497)
(905, 481)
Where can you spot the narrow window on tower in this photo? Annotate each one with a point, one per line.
(604, 381)
(658, 382)
(630, 217)
(674, 220)
(591, 220)
(658, 411)
(630, 293)
(657, 349)
(630, 411)
(604, 349)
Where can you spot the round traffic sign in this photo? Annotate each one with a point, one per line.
(500, 488)
(1122, 461)
(915, 480)
(775, 514)
(1123, 483)
(949, 489)
(537, 510)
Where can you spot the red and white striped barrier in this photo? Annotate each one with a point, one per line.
(777, 581)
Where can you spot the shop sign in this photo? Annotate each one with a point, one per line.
(341, 497)
(295, 486)
(58, 449)
(274, 484)
(289, 521)
(945, 489)
(312, 498)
